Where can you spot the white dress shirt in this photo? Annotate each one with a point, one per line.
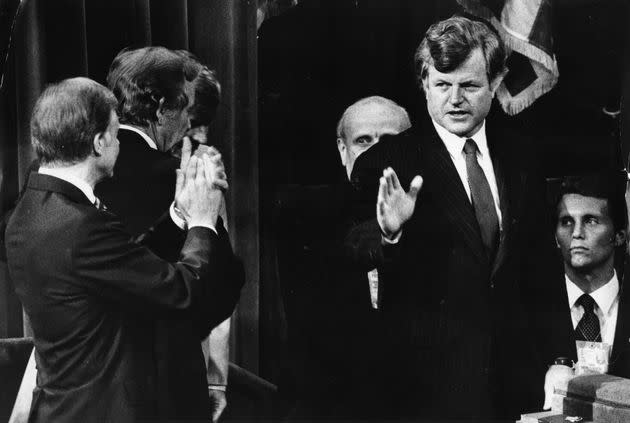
(455, 146)
(606, 306)
(144, 136)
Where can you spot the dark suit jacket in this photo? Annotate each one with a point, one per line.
(556, 334)
(459, 335)
(141, 192)
(333, 332)
(91, 296)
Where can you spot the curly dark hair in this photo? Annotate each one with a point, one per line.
(140, 78)
(448, 43)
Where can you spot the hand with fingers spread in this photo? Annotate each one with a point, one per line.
(394, 206)
(198, 198)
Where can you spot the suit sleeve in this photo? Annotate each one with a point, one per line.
(223, 288)
(109, 264)
(166, 239)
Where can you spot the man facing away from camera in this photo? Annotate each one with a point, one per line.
(156, 91)
(91, 290)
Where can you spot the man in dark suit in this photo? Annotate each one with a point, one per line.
(591, 303)
(91, 293)
(454, 252)
(334, 353)
(155, 88)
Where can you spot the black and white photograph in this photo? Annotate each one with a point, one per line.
(306, 211)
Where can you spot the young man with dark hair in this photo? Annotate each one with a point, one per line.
(455, 251)
(90, 290)
(591, 228)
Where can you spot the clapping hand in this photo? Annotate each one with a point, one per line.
(219, 176)
(394, 206)
(217, 172)
(198, 190)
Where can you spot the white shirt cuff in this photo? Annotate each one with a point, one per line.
(217, 387)
(181, 222)
(391, 241)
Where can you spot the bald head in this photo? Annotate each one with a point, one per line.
(362, 125)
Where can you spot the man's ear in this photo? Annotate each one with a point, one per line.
(99, 143)
(341, 146)
(496, 82)
(620, 238)
(159, 113)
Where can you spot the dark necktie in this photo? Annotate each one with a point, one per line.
(482, 200)
(587, 328)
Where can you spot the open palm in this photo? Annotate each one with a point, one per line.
(394, 206)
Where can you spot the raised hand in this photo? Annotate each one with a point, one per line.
(394, 206)
(218, 175)
(199, 199)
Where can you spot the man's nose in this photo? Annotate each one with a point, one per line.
(456, 95)
(578, 231)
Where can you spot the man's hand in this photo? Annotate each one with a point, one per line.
(198, 197)
(219, 176)
(556, 376)
(219, 402)
(394, 206)
(183, 165)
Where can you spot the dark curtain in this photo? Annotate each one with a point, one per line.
(58, 39)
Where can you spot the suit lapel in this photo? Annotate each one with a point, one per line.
(510, 185)
(450, 193)
(562, 332)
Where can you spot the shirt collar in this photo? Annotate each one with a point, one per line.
(455, 144)
(144, 136)
(604, 296)
(61, 173)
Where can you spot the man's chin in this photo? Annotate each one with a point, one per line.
(459, 128)
(581, 264)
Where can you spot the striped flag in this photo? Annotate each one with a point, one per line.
(525, 27)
